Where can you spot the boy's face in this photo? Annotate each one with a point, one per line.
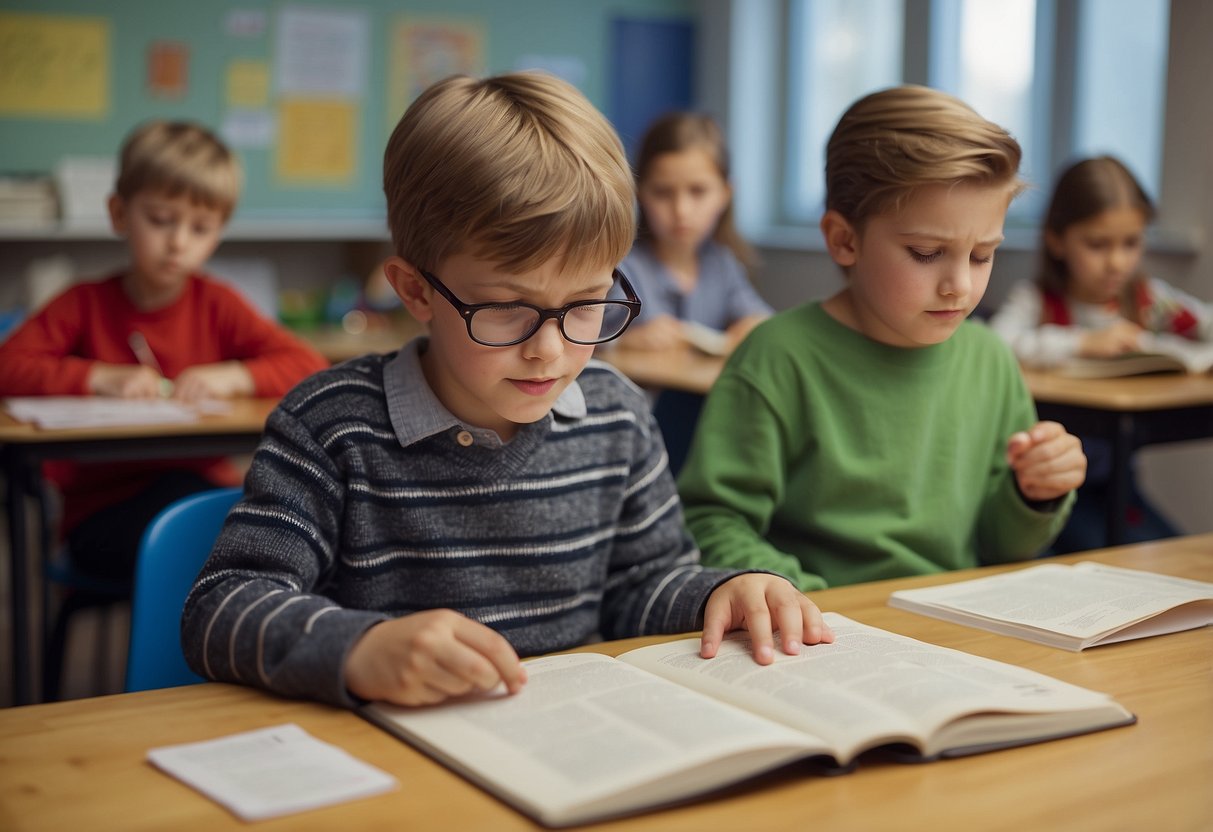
(498, 388)
(168, 236)
(915, 274)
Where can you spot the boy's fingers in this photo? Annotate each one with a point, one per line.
(758, 622)
(794, 626)
(498, 653)
(716, 619)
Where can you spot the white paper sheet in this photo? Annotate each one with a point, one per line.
(271, 772)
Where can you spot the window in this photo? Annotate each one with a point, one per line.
(1068, 78)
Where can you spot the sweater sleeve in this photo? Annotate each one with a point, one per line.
(1036, 344)
(733, 481)
(1008, 528)
(253, 616)
(276, 358)
(655, 582)
(38, 358)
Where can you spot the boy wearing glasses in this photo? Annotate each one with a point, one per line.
(414, 522)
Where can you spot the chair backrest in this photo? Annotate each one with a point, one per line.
(172, 552)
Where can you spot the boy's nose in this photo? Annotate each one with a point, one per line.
(178, 236)
(547, 343)
(957, 282)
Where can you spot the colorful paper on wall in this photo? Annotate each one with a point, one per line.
(168, 69)
(248, 83)
(316, 141)
(422, 51)
(54, 65)
(322, 52)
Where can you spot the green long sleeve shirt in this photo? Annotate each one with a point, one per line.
(833, 459)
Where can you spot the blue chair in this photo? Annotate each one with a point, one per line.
(172, 552)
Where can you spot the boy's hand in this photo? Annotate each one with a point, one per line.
(762, 604)
(124, 381)
(1048, 462)
(1117, 339)
(213, 381)
(426, 657)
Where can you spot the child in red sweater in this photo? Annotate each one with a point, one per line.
(177, 187)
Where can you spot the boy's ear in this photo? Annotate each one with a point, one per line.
(412, 289)
(842, 241)
(117, 212)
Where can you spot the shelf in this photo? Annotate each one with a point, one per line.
(336, 229)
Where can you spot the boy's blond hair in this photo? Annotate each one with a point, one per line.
(179, 157)
(891, 142)
(516, 169)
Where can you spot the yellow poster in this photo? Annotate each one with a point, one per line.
(248, 83)
(54, 65)
(316, 140)
(423, 51)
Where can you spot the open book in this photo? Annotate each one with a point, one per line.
(1158, 353)
(591, 737)
(705, 338)
(1069, 606)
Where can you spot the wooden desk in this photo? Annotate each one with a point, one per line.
(24, 447)
(80, 764)
(1128, 413)
(682, 368)
(337, 345)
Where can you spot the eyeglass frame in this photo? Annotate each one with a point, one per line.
(467, 310)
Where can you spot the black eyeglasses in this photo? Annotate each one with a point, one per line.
(581, 322)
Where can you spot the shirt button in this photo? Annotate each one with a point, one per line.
(464, 438)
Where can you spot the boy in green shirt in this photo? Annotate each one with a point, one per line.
(883, 435)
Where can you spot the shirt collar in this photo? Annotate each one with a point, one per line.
(416, 413)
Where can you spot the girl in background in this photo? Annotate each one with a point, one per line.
(1092, 299)
(689, 262)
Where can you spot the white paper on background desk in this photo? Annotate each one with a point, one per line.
(49, 412)
(271, 772)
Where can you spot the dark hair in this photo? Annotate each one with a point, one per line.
(679, 131)
(1084, 190)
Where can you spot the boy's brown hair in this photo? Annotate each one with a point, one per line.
(891, 142)
(179, 157)
(677, 132)
(515, 169)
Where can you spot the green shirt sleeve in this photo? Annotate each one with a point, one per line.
(733, 481)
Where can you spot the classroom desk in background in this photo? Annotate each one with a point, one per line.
(23, 449)
(1128, 413)
(81, 764)
(682, 368)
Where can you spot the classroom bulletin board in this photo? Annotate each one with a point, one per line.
(306, 93)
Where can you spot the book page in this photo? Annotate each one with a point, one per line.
(1083, 601)
(869, 688)
(61, 412)
(588, 734)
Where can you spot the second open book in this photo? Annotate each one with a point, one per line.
(591, 736)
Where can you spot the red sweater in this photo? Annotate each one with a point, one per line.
(52, 352)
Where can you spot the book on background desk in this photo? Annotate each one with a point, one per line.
(1158, 353)
(1069, 606)
(591, 737)
(705, 339)
(61, 412)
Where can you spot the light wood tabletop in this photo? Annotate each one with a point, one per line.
(1158, 391)
(81, 764)
(242, 415)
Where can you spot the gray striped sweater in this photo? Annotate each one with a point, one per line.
(368, 500)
